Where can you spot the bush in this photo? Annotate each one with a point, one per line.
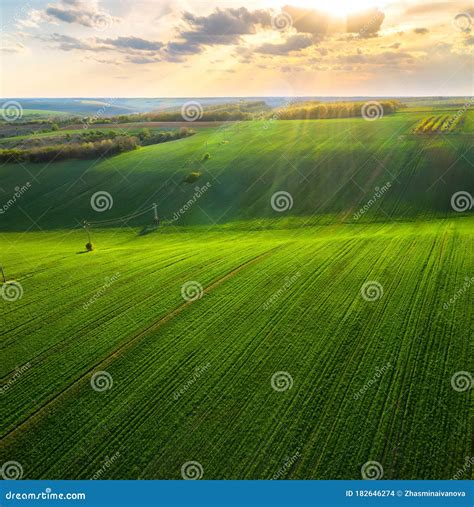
(192, 177)
(206, 156)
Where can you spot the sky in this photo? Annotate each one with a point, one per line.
(189, 48)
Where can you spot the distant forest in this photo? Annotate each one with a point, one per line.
(259, 110)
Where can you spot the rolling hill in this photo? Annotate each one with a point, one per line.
(303, 311)
(331, 169)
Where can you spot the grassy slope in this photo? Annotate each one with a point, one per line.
(318, 329)
(34, 114)
(331, 167)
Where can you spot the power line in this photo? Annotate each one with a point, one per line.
(124, 218)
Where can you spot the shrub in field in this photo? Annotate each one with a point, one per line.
(206, 156)
(192, 177)
(148, 138)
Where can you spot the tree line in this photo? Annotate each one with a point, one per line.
(330, 110)
(91, 149)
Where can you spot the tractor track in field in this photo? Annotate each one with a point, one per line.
(22, 425)
(36, 360)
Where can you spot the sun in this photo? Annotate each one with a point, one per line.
(340, 8)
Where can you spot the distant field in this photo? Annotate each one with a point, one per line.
(278, 301)
(331, 168)
(35, 114)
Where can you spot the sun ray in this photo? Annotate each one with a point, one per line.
(339, 8)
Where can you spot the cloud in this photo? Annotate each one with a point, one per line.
(14, 47)
(221, 27)
(138, 50)
(81, 12)
(421, 31)
(135, 43)
(66, 42)
(291, 68)
(390, 59)
(366, 24)
(436, 7)
(33, 18)
(228, 22)
(308, 20)
(142, 60)
(293, 43)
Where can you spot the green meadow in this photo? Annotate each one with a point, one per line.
(293, 337)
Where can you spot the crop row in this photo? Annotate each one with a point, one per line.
(299, 310)
(436, 124)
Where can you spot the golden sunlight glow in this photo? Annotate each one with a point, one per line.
(340, 8)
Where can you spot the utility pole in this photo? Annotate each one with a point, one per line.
(87, 228)
(156, 220)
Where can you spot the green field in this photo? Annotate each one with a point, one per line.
(330, 167)
(364, 317)
(39, 114)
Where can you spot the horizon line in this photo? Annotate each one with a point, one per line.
(239, 97)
